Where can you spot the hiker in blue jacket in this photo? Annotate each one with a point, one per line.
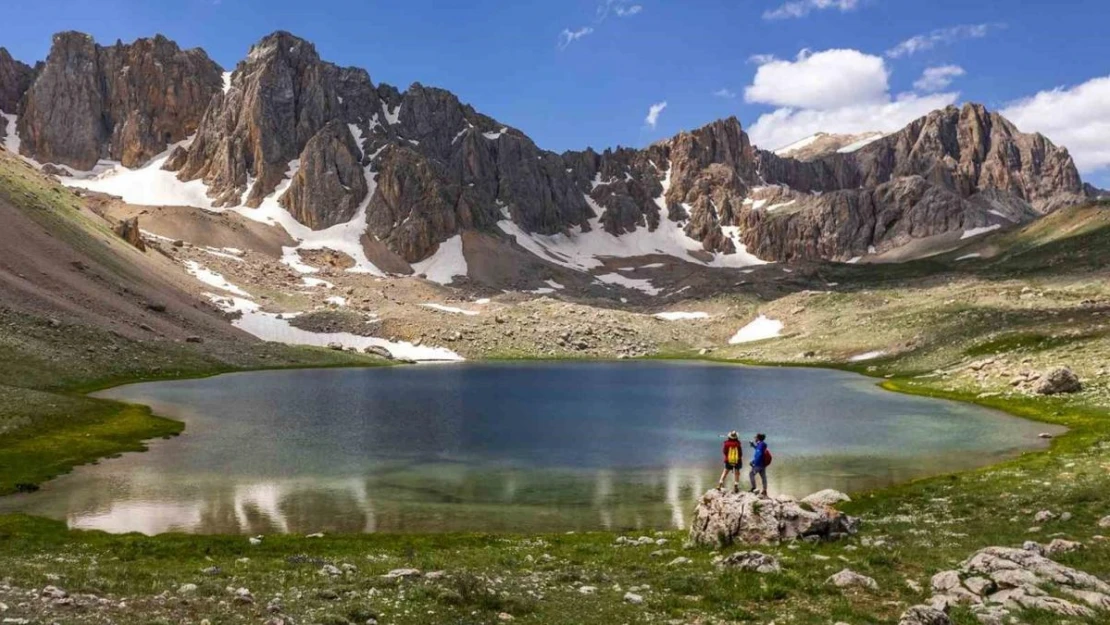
(760, 459)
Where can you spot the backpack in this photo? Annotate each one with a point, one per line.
(767, 457)
(734, 455)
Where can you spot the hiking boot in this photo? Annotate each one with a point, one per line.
(752, 490)
(736, 488)
(721, 486)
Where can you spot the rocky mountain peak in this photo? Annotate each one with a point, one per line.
(124, 102)
(280, 96)
(15, 78)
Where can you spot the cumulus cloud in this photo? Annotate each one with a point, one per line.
(653, 113)
(821, 80)
(1077, 118)
(839, 91)
(802, 8)
(940, 36)
(727, 94)
(569, 36)
(937, 78)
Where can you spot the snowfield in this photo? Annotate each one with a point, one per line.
(268, 327)
(211, 278)
(974, 232)
(452, 310)
(760, 329)
(447, 263)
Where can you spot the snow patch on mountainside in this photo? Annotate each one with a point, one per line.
(680, 316)
(852, 147)
(581, 251)
(974, 232)
(760, 329)
(797, 145)
(11, 137)
(452, 309)
(211, 278)
(269, 327)
(447, 263)
(631, 283)
(148, 185)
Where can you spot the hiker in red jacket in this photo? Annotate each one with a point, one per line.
(733, 459)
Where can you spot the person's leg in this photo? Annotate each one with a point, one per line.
(763, 475)
(751, 476)
(721, 482)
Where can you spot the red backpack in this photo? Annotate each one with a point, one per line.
(767, 457)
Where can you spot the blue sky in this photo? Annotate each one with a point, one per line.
(769, 61)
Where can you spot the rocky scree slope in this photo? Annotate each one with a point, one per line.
(420, 166)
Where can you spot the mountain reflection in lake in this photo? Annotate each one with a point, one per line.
(504, 447)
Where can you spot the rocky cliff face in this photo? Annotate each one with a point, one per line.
(15, 78)
(124, 102)
(428, 167)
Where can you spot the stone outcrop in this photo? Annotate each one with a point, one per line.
(924, 615)
(998, 581)
(750, 561)
(15, 78)
(123, 102)
(330, 183)
(128, 230)
(725, 518)
(1057, 381)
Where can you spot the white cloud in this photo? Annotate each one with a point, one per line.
(787, 125)
(653, 113)
(930, 40)
(627, 11)
(802, 8)
(937, 78)
(760, 59)
(727, 94)
(620, 8)
(839, 91)
(569, 36)
(1077, 118)
(821, 80)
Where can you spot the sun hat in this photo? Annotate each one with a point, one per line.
(733, 435)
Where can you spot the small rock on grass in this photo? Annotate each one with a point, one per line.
(1104, 522)
(633, 598)
(848, 578)
(924, 615)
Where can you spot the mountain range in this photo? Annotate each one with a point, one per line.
(395, 178)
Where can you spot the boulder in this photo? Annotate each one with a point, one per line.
(726, 518)
(751, 561)
(826, 498)
(924, 615)
(1061, 380)
(848, 578)
(128, 230)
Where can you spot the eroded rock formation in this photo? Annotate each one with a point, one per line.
(124, 102)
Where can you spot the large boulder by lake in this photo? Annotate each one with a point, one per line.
(725, 518)
(1061, 380)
